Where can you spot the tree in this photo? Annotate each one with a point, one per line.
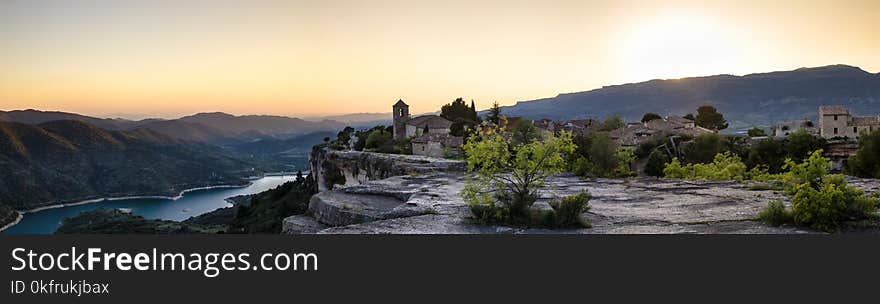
(656, 162)
(524, 132)
(709, 118)
(801, 143)
(704, 148)
(379, 140)
(494, 115)
(689, 116)
(769, 153)
(343, 138)
(866, 162)
(461, 115)
(509, 177)
(613, 123)
(757, 132)
(650, 116)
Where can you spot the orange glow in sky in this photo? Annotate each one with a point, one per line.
(300, 58)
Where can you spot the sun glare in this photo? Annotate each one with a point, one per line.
(675, 46)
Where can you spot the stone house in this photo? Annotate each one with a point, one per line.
(837, 122)
(783, 129)
(429, 134)
(636, 133)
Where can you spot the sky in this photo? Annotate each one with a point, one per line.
(162, 58)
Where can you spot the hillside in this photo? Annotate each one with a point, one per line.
(754, 99)
(69, 160)
(261, 124)
(204, 127)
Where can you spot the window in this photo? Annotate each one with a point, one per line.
(835, 129)
(856, 130)
(835, 118)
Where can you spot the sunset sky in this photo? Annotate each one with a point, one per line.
(169, 58)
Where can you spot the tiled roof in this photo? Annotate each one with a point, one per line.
(431, 121)
(865, 121)
(833, 110)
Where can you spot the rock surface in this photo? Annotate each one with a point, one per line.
(429, 202)
(300, 224)
(348, 168)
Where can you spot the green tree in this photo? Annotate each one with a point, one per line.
(866, 162)
(657, 160)
(801, 143)
(524, 132)
(709, 118)
(507, 177)
(650, 116)
(757, 132)
(613, 123)
(704, 148)
(461, 115)
(769, 153)
(378, 140)
(494, 115)
(689, 116)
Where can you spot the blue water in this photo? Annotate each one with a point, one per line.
(192, 203)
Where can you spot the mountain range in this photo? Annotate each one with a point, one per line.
(751, 100)
(204, 127)
(64, 160)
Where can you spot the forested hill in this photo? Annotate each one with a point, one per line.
(69, 160)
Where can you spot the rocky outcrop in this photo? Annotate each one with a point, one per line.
(300, 224)
(347, 168)
(427, 201)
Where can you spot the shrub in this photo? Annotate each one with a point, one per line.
(704, 148)
(756, 132)
(725, 166)
(507, 177)
(775, 214)
(656, 162)
(866, 162)
(568, 210)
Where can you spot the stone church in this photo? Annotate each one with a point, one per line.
(429, 134)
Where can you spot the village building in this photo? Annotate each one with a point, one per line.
(785, 128)
(428, 134)
(837, 122)
(635, 134)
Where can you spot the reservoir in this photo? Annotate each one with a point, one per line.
(192, 203)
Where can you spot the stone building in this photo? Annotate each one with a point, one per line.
(785, 128)
(635, 134)
(429, 134)
(837, 122)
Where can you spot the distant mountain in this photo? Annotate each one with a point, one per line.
(31, 116)
(261, 124)
(68, 160)
(358, 119)
(754, 99)
(296, 144)
(215, 127)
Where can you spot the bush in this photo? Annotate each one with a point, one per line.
(568, 210)
(756, 132)
(725, 166)
(704, 148)
(822, 201)
(775, 214)
(656, 162)
(866, 162)
(597, 155)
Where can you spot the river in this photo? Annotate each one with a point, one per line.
(192, 203)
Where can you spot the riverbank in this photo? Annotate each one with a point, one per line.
(21, 213)
(166, 207)
(13, 223)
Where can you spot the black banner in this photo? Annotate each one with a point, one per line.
(416, 268)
